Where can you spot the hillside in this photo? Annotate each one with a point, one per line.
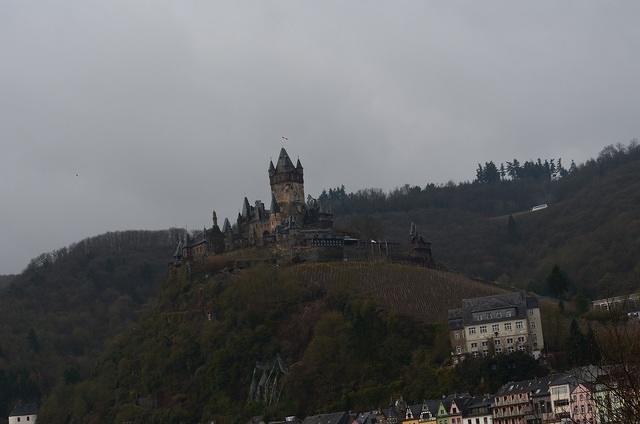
(591, 229)
(348, 332)
(5, 280)
(56, 315)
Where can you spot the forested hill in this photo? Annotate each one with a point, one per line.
(351, 335)
(57, 314)
(591, 229)
(5, 280)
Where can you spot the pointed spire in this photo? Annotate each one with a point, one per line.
(215, 219)
(298, 165)
(272, 168)
(226, 227)
(284, 162)
(246, 208)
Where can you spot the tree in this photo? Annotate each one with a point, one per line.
(582, 303)
(558, 282)
(576, 345)
(614, 352)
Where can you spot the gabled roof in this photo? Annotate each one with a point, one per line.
(537, 387)
(332, 418)
(488, 303)
(24, 409)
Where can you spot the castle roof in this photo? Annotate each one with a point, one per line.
(284, 162)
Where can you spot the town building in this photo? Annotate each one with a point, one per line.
(23, 413)
(629, 302)
(332, 418)
(477, 410)
(503, 323)
(522, 402)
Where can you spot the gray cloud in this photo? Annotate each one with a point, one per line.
(166, 110)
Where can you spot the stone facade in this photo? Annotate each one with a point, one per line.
(290, 220)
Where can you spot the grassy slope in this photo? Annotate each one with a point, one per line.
(421, 293)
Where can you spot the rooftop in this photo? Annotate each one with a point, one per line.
(24, 409)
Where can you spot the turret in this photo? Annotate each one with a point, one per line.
(287, 185)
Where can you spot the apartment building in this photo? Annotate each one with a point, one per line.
(503, 323)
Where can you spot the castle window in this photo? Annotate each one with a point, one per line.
(472, 330)
(507, 326)
(483, 329)
(519, 325)
(495, 328)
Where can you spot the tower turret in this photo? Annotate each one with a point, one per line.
(287, 185)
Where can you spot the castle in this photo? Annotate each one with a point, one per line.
(290, 220)
(299, 225)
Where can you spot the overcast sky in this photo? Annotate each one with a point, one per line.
(130, 114)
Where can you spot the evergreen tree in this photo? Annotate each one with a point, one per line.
(491, 173)
(573, 167)
(557, 282)
(513, 169)
(480, 174)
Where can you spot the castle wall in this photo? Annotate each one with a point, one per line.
(290, 197)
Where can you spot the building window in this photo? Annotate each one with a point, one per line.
(498, 350)
(456, 335)
(510, 349)
(507, 314)
(519, 325)
(484, 343)
(474, 345)
(521, 339)
(509, 340)
(458, 350)
(472, 330)
(521, 348)
(532, 324)
(483, 329)
(495, 328)
(507, 326)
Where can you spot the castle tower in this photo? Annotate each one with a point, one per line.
(287, 185)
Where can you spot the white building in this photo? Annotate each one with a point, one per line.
(503, 323)
(24, 413)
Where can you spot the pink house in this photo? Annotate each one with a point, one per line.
(582, 405)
